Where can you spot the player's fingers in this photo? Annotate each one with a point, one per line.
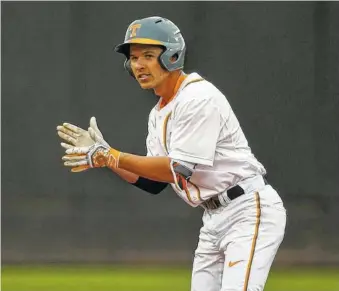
(80, 169)
(67, 137)
(75, 163)
(95, 136)
(73, 127)
(66, 145)
(78, 150)
(74, 157)
(68, 132)
(93, 124)
(92, 133)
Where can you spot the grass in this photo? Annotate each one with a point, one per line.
(91, 278)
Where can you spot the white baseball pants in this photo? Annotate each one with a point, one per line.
(238, 242)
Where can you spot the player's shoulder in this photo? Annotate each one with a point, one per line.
(152, 116)
(193, 83)
(196, 89)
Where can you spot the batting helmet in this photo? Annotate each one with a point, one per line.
(156, 31)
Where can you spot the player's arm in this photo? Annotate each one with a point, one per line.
(193, 140)
(154, 168)
(148, 185)
(126, 175)
(75, 136)
(158, 169)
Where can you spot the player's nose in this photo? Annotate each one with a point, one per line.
(139, 65)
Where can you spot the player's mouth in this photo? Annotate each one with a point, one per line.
(144, 77)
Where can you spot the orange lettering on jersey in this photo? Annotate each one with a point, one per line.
(133, 29)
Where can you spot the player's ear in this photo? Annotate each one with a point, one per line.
(174, 58)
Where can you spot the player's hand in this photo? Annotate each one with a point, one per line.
(95, 156)
(76, 136)
(86, 149)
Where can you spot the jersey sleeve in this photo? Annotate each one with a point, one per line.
(195, 131)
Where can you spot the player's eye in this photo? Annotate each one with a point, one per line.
(148, 56)
(133, 59)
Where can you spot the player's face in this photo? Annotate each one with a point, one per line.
(145, 65)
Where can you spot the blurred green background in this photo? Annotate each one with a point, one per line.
(140, 278)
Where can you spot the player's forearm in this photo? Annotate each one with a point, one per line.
(154, 168)
(126, 175)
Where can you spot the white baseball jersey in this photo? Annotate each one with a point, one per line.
(200, 127)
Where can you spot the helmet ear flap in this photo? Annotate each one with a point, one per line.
(127, 65)
(162, 65)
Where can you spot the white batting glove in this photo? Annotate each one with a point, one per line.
(87, 149)
(76, 136)
(95, 133)
(83, 158)
(82, 145)
(95, 156)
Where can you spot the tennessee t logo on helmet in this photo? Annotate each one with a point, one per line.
(133, 29)
(156, 30)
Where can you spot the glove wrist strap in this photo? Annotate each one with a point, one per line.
(113, 157)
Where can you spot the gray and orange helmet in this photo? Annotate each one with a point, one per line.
(156, 31)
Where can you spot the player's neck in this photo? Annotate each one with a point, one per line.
(170, 86)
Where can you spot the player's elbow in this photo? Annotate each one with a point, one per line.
(150, 186)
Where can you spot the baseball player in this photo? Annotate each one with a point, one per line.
(196, 145)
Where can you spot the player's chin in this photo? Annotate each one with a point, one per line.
(146, 85)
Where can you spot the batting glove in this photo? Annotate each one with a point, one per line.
(88, 150)
(95, 156)
(76, 136)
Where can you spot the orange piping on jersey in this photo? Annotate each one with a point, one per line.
(164, 131)
(163, 103)
(194, 81)
(181, 79)
(198, 191)
(164, 135)
(188, 195)
(185, 184)
(185, 188)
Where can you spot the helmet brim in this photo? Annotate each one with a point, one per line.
(123, 48)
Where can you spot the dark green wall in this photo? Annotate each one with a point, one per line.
(277, 63)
